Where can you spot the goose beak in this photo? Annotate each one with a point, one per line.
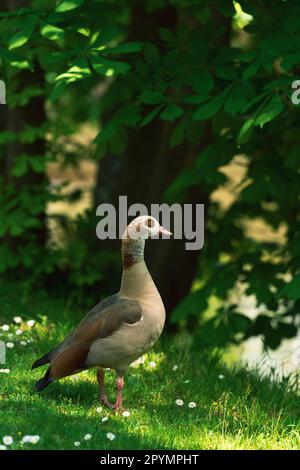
(164, 231)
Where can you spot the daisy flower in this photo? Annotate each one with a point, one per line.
(152, 364)
(192, 404)
(175, 367)
(179, 402)
(30, 439)
(105, 418)
(17, 319)
(19, 331)
(2, 447)
(76, 443)
(110, 436)
(4, 371)
(221, 376)
(10, 345)
(5, 327)
(99, 409)
(87, 437)
(126, 414)
(7, 440)
(30, 323)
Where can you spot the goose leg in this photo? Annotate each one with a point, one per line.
(119, 387)
(102, 392)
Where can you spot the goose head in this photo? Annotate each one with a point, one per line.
(144, 227)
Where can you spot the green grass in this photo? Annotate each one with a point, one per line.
(239, 411)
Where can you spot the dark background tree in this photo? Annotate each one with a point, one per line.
(175, 90)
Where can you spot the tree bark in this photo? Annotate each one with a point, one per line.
(147, 168)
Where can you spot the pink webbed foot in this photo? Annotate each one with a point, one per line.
(119, 385)
(103, 397)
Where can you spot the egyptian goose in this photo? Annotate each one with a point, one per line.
(119, 329)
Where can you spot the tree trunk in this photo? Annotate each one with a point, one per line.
(147, 168)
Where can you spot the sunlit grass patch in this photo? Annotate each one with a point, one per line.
(175, 397)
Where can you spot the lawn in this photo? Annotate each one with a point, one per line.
(235, 408)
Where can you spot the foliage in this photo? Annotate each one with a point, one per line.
(217, 72)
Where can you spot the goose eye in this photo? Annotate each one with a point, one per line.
(150, 223)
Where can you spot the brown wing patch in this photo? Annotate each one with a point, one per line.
(72, 357)
(69, 361)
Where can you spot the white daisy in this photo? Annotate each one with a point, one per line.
(4, 371)
(99, 409)
(110, 436)
(2, 447)
(17, 319)
(23, 343)
(126, 414)
(192, 404)
(7, 440)
(152, 364)
(30, 439)
(5, 327)
(179, 402)
(87, 437)
(30, 323)
(186, 382)
(10, 345)
(19, 332)
(105, 418)
(76, 443)
(175, 367)
(221, 376)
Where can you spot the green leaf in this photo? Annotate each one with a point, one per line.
(171, 112)
(241, 94)
(20, 166)
(192, 304)
(67, 5)
(43, 5)
(102, 65)
(211, 108)
(21, 37)
(201, 81)
(152, 97)
(251, 70)
(246, 131)
(101, 38)
(51, 32)
(108, 131)
(286, 330)
(292, 289)
(151, 116)
(126, 48)
(151, 53)
(226, 72)
(129, 115)
(272, 109)
(166, 35)
(178, 134)
(37, 164)
(57, 90)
